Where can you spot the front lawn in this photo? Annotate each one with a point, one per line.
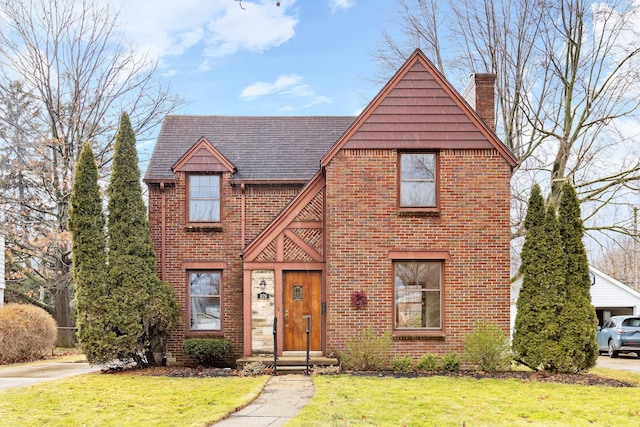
(341, 400)
(344, 400)
(127, 400)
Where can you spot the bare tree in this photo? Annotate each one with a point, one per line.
(567, 91)
(619, 260)
(76, 74)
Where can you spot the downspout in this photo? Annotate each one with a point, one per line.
(163, 214)
(242, 215)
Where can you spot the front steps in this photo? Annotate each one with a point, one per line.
(289, 364)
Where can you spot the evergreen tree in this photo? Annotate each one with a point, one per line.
(537, 332)
(578, 317)
(146, 307)
(86, 223)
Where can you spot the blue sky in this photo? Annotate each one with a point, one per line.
(304, 57)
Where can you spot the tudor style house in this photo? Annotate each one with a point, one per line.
(396, 219)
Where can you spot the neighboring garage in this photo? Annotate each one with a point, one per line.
(609, 296)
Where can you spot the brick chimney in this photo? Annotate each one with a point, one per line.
(479, 93)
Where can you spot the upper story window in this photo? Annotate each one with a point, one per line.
(418, 295)
(204, 198)
(204, 295)
(418, 174)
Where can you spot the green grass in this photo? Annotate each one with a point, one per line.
(441, 401)
(123, 399)
(127, 400)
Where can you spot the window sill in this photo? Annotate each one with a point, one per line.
(203, 227)
(204, 334)
(429, 212)
(418, 336)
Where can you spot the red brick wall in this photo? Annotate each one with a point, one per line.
(363, 225)
(263, 204)
(209, 246)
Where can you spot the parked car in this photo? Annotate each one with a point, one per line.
(620, 334)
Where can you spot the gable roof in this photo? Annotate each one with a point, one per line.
(418, 108)
(272, 149)
(203, 157)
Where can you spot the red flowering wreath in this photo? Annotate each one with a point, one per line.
(359, 300)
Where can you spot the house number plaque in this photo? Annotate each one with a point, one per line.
(263, 295)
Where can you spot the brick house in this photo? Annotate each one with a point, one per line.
(256, 218)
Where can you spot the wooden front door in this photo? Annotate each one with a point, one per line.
(302, 298)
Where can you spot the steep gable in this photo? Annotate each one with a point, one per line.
(203, 157)
(419, 109)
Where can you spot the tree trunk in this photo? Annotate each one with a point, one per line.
(66, 330)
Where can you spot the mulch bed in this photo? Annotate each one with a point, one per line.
(579, 379)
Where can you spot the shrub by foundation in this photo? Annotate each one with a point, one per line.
(487, 347)
(402, 364)
(367, 352)
(208, 351)
(450, 362)
(27, 333)
(428, 362)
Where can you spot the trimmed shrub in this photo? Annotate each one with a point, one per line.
(487, 347)
(428, 362)
(27, 333)
(367, 352)
(207, 351)
(450, 362)
(402, 364)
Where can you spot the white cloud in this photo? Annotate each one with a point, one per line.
(336, 5)
(281, 85)
(289, 86)
(204, 66)
(217, 27)
(319, 100)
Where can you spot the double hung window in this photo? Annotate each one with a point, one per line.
(418, 291)
(418, 175)
(204, 198)
(205, 299)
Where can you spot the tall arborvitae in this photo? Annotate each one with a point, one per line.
(578, 318)
(145, 306)
(535, 340)
(86, 223)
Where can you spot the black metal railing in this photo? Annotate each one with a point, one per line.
(306, 372)
(275, 346)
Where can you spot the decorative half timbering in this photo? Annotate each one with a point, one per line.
(300, 238)
(313, 210)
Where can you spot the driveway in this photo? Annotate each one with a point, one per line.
(624, 362)
(18, 376)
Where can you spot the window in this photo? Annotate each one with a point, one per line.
(204, 294)
(418, 180)
(204, 198)
(418, 288)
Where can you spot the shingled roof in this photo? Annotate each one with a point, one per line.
(261, 148)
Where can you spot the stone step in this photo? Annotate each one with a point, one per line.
(289, 363)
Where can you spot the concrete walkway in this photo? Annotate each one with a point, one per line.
(23, 375)
(281, 399)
